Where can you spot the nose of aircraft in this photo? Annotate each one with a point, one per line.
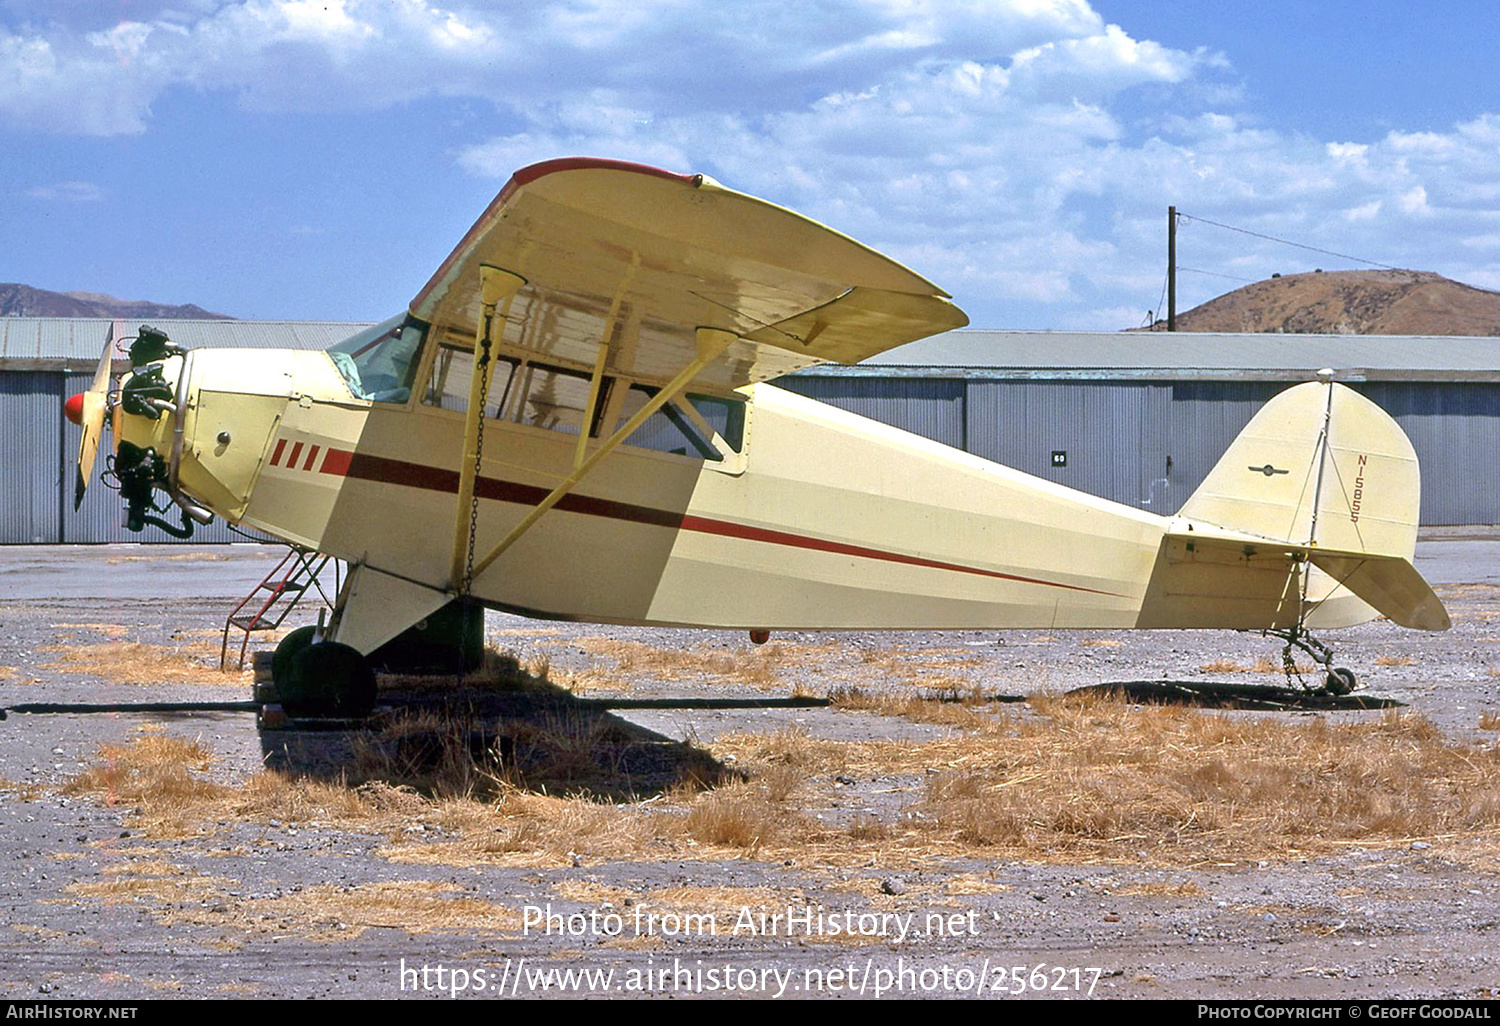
(73, 408)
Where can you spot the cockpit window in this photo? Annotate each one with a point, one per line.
(379, 363)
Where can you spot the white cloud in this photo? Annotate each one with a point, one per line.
(323, 55)
(1414, 201)
(67, 192)
(1011, 150)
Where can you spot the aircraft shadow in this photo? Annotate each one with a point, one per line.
(522, 731)
(1226, 695)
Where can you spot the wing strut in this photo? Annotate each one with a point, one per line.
(610, 323)
(497, 287)
(711, 343)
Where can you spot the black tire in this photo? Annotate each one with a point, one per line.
(286, 651)
(328, 679)
(1340, 681)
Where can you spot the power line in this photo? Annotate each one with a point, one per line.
(1216, 274)
(1285, 242)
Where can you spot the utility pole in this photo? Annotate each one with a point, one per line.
(1171, 268)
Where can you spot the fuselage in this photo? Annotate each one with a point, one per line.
(806, 516)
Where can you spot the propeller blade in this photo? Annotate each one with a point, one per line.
(88, 411)
(88, 449)
(101, 373)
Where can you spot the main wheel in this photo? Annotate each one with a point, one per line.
(287, 649)
(1340, 681)
(328, 679)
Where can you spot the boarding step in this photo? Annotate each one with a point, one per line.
(279, 592)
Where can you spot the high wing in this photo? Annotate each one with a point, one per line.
(642, 259)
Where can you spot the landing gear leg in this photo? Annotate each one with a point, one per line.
(1337, 680)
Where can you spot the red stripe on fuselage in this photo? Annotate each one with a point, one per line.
(336, 461)
(365, 467)
(276, 456)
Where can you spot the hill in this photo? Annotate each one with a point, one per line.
(18, 300)
(1351, 303)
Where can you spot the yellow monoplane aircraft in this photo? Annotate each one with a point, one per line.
(571, 421)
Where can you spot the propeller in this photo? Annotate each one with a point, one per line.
(87, 409)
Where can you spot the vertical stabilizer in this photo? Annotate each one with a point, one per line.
(1322, 466)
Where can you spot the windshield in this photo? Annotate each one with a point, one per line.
(378, 363)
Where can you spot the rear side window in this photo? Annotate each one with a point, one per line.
(726, 416)
(552, 397)
(686, 427)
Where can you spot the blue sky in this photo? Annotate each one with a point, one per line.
(319, 158)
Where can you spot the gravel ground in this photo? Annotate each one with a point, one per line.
(243, 907)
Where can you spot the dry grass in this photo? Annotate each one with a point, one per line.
(760, 666)
(154, 884)
(1222, 666)
(591, 892)
(415, 906)
(497, 671)
(969, 884)
(1183, 889)
(432, 753)
(1489, 721)
(934, 670)
(1103, 643)
(951, 707)
(1075, 778)
(133, 662)
(1262, 664)
(180, 897)
(1091, 778)
(1265, 664)
(744, 816)
(1099, 778)
(1395, 660)
(154, 770)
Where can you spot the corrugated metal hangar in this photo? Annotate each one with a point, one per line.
(1139, 418)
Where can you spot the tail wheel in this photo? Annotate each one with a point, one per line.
(1341, 681)
(326, 678)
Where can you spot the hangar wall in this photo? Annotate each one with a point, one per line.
(1149, 444)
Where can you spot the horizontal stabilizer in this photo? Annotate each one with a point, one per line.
(1207, 577)
(1390, 584)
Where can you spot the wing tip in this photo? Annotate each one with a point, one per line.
(541, 169)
